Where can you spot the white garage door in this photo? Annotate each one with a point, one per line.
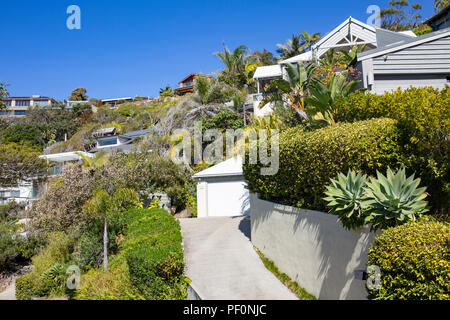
(227, 199)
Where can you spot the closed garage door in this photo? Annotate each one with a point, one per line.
(227, 198)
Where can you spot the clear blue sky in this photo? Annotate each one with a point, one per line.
(135, 47)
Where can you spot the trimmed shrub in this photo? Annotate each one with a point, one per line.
(308, 160)
(423, 116)
(149, 265)
(414, 260)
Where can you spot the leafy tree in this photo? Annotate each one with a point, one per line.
(19, 162)
(208, 98)
(440, 4)
(79, 94)
(401, 15)
(102, 206)
(308, 40)
(225, 119)
(98, 160)
(293, 91)
(298, 44)
(265, 57)
(166, 92)
(3, 94)
(322, 98)
(23, 133)
(291, 48)
(234, 72)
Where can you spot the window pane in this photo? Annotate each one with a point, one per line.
(20, 112)
(22, 103)
(41, 103)
(107, 142)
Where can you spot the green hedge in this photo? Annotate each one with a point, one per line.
(309, 159)
(414, 260)
(149, 265)
(423, 116)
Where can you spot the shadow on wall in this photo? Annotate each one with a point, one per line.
(311, 247)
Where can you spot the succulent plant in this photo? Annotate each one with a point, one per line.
(393, 199)
(346, 199)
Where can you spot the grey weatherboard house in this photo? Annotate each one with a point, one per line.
(418, 62)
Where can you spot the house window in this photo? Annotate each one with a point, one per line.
(20, 112)
(5, 113)
(7, 103)
(41, 103)
(448, 78)
(22, 103)
(107, 142)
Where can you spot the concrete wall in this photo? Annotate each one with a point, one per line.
(312, 248)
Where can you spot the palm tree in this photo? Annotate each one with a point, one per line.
(98, 160)
(322, 98)
(292, 48)
(308, 40)
(234, 63)
(292, 92)
(102, 206)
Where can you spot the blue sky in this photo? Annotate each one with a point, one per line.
(135, 47)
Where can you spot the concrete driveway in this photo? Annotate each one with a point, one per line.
(222, 264)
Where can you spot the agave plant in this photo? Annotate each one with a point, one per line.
(346, 198)
(393, 199)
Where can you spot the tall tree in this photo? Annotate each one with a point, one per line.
(266, 58)
(308, 40)
(103, 206)
(291, 48)
(19, 163)
(79, 94)
(401, 15)
(440, 4)
(234, 72)
(3, 94)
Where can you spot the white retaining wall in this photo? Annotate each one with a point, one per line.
(312, 248)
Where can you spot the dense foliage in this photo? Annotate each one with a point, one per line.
(148, 266)
(423, 116)
(414, 260)
(309, 159)
(60, 207)
(19, 163)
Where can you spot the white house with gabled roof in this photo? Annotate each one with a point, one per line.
(349, 33)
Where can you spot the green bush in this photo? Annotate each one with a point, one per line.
(414, 260)
(8, 250)
(308, 160)
(148, 266)
(37, 283)
(423, 116)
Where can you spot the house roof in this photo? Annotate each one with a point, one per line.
(387, 37)
(407, 43)
(135, 134)
(268, 72)
(228, 168)
(66, 156)
(117, 99)
(192, 75)
(307, 56)
(438, 15)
